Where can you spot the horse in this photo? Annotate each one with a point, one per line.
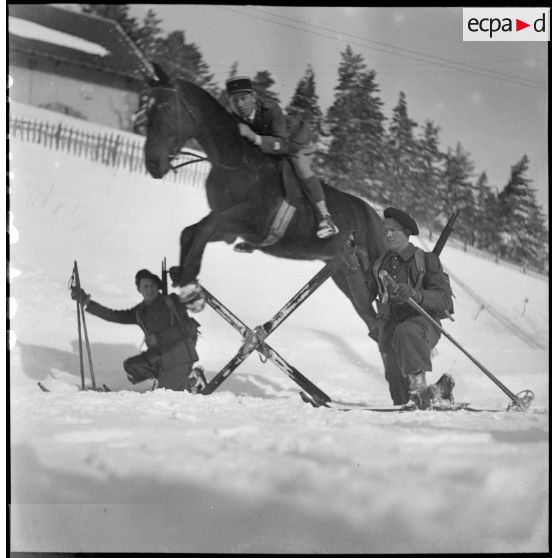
(242, 188)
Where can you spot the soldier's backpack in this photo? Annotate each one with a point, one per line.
(189, 327)
(420, 262)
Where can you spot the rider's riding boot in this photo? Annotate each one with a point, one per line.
(244, 247)
(326, 227)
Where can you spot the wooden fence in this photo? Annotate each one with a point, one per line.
(111, 149)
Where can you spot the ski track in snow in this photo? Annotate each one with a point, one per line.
(251, 468)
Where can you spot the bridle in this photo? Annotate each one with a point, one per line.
(179, 101)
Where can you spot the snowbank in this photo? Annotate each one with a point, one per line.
(251, 468)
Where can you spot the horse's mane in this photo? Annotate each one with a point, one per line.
(220, 118)
(219, 125)
(207, 104)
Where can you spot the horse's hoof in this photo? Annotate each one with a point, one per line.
(197, 305)
(189, 292)
(174, 274)
(244, 247)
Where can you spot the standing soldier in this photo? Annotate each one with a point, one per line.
(170, 335)
(405, 337)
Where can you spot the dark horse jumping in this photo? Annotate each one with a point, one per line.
(243, 187)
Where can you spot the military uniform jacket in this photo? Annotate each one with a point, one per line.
(269, 123)
(436, 293)
(162, 328)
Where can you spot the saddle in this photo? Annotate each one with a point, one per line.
(283, 211)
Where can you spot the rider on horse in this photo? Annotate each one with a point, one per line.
(261, 121)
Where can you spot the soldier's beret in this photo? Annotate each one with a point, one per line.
(239, 85)
(146, 274)
(404, 219)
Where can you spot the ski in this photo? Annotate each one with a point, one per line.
(263, 348)
(340, 406)
(103, 389)
(254, 339)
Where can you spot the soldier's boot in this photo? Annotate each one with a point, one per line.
(446, 383)
(440, 394)
(418, 396)
(196, 380)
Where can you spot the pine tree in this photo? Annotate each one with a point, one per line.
(180, 60)
(149, 35)
(428, 203)
(484, 224)
(354, 158)
(305, 100)
(457, 190)
(183, 60)
(116, 12)
(401, 161)
(223, 97)
(262, 83)
(522, 230)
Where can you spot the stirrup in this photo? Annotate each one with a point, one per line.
(326, 228)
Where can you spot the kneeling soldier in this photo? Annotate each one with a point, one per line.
(170, 335)
(405, 337)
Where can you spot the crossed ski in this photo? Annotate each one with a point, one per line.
(254, 339)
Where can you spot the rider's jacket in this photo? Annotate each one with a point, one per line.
(269, 123)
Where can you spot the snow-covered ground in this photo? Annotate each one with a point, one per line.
(251, 468)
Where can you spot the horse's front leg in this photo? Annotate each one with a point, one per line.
(193, 240)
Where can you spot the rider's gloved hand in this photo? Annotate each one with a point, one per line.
(246, 132)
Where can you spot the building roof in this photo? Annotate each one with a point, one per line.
(73, 37)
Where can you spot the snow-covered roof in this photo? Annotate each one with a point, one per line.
(74, 37)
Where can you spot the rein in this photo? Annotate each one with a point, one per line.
(179, 100)
(198, 159)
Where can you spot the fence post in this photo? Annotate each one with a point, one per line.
(115, 152)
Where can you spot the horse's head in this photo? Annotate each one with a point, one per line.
(169, 123)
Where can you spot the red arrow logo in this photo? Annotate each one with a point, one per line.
(519, 25)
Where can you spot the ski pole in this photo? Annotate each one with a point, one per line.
(520, 402)
(81, 370)
(87, 346)
(74, 282)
